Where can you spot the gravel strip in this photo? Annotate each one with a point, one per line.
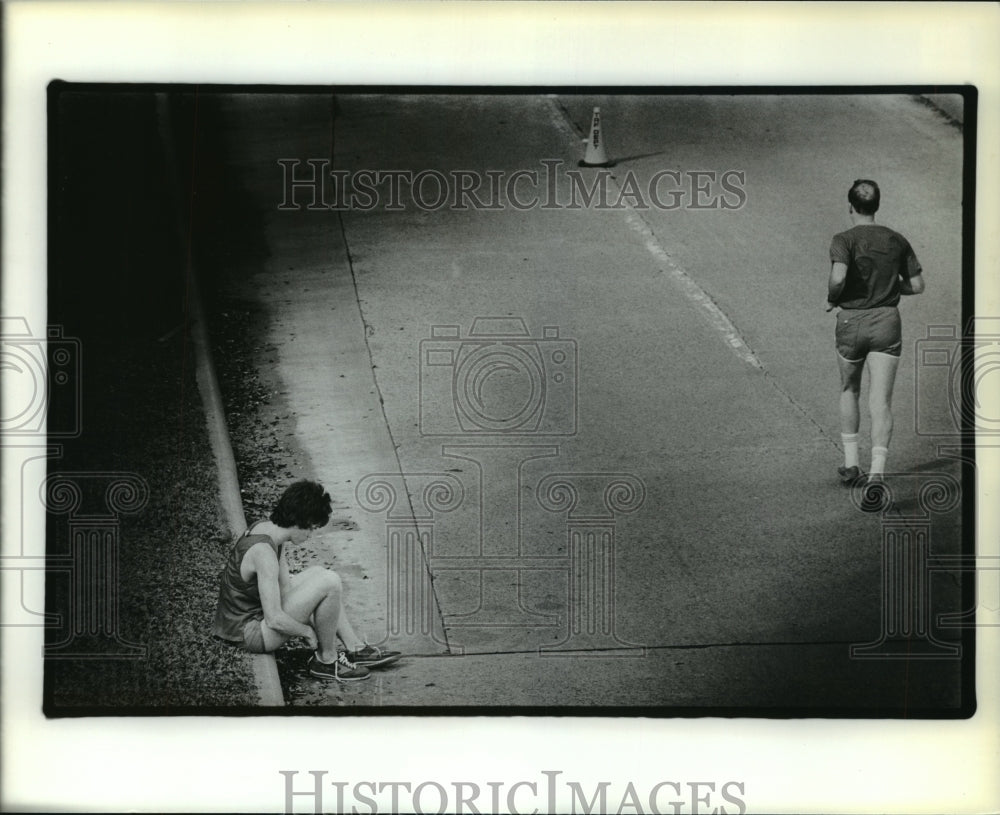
(170, 552)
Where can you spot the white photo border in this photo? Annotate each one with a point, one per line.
(233, 764)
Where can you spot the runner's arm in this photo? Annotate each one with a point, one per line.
(838, 276)
(911, 285)
(911, 280)
(266, 566)
(284, 576)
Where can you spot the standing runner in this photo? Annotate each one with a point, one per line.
(872, 266)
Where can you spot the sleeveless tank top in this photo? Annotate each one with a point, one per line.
(239, 600)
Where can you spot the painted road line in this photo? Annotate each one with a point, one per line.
(695, 294)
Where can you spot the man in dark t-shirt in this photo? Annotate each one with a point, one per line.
(871, 267)
(261, 604)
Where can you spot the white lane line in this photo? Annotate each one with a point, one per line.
(694, 293)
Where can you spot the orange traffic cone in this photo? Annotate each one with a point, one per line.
(595, 156)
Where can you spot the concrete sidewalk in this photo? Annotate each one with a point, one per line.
(319, 367)
(725, 570)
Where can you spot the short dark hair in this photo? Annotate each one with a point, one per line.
(864, 196)
(304, 504)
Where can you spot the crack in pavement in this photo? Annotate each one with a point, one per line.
(369, 331)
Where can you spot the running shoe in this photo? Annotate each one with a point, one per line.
(849, 475)
(372, 657)
(343, 670)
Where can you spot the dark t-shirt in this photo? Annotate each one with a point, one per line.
(239, 600)
(876, 257)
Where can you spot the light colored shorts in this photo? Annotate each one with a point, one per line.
(253, 637)
(863, 331)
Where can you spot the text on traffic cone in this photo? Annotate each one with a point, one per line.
(596, 156)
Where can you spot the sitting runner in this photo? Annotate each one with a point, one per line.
(261, 605)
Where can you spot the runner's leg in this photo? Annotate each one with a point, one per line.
(346, 631)
(850, 414)
(882, 373)
(314, 597)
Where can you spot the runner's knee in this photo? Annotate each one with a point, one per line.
(851, 382)
(327, 579)
(332, 581)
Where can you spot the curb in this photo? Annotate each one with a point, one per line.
(265, 669)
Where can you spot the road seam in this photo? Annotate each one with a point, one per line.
(369, 330)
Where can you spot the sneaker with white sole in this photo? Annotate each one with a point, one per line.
(343, 670)
(372, 657)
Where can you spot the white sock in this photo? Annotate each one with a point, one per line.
(878, 460)
(850, 441)
(320, 659)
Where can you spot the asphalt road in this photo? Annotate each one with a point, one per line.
(586, 456)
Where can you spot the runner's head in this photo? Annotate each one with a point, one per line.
(305, 504)
(864, 196)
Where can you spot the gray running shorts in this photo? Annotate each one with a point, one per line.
(865, 330)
